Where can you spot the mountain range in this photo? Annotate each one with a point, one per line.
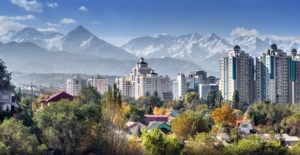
(198, 51)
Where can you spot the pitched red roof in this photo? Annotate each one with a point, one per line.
(256, 128)
(134, 125)
(57, 97)
(156, 115)
(238, 122)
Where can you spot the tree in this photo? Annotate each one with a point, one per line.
(71, 126)
(147, 94)
(150, 110)
(18, 139)
(42, 97)
(236, 134)
(182, 110)
(224, 114)
(139, 132)
(5, 77)
(135, 114)
(155, 93)
(256, 145)
(202, 108)
(26, 117)
(189, 123)
(242, 105)
(235, 99)
(189, 97)
(211, 98)
(204, 144)
(219, 98)
(293, 124)
(239, 114)
(91, 95)
(155, 143)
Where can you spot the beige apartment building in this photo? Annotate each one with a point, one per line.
(141, 80)
(237, 73)
(74, 85)
(99, 83)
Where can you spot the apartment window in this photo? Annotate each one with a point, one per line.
(4, 96)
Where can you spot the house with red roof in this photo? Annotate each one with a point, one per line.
(245, 126)
(55, 98)
(157, 118)
(133, 126)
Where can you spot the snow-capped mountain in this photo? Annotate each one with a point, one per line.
(79, 41)
(192, 47)
(285, 45)
(5, 37)
(202, 50)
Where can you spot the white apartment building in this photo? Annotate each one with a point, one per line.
(237, 73)
(99, 83)
(276, 74)
(175, 90)
(141, 80)
(74, 85)
(191, 83)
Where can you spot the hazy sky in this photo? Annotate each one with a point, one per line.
(118, 21)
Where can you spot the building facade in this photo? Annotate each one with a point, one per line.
(205, 88)
(74, 85)
(276, 76)
(237, 73)
(175, 90)
(99, 83)
(191, 83)
(141, 80)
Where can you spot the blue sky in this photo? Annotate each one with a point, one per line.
(118, 21)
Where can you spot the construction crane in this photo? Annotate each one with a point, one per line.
(31, 87)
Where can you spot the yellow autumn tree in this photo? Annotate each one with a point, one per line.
(162, 111)
(239, 114)
(224, 114)
(42, 97)
(245, 117)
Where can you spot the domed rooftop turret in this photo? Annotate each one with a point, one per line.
(293, 51)
(273, 46)
(236, 48)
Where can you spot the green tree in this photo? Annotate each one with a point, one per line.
(5, 77)
(256, 145)
(150, 110)
(293, 124)
(189, 97)
(26, 117)
(182, 110)
(211, 98)
(147, 94)
(155, 143)
(71, 127)
(235, 99)
(89, 95)
(236, 134)
(18, 139)
(139, 132)
(135, 114)
(189, 123)
(155, 93)
(220, 99)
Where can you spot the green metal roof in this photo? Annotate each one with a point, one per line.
(153, 125)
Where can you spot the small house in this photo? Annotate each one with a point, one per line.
(245, 126)
(157, 118)
(224, 136)
(6, 99)
(55, 98)
(133, 126)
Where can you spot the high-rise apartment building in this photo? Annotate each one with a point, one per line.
(142, 80)
(175, 90)
(276, 76)
(99, 83)
(204, 89)
(237, 73)
(74, 85)
(191, 83)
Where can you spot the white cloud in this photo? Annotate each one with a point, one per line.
(244, 32)
(95, 22)
(83, 8)
(8, 25)
(50, 24)
(33, 6)
(67, 21)
(253, 32)
(48, 29)
(52, 5)
(7, 18)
